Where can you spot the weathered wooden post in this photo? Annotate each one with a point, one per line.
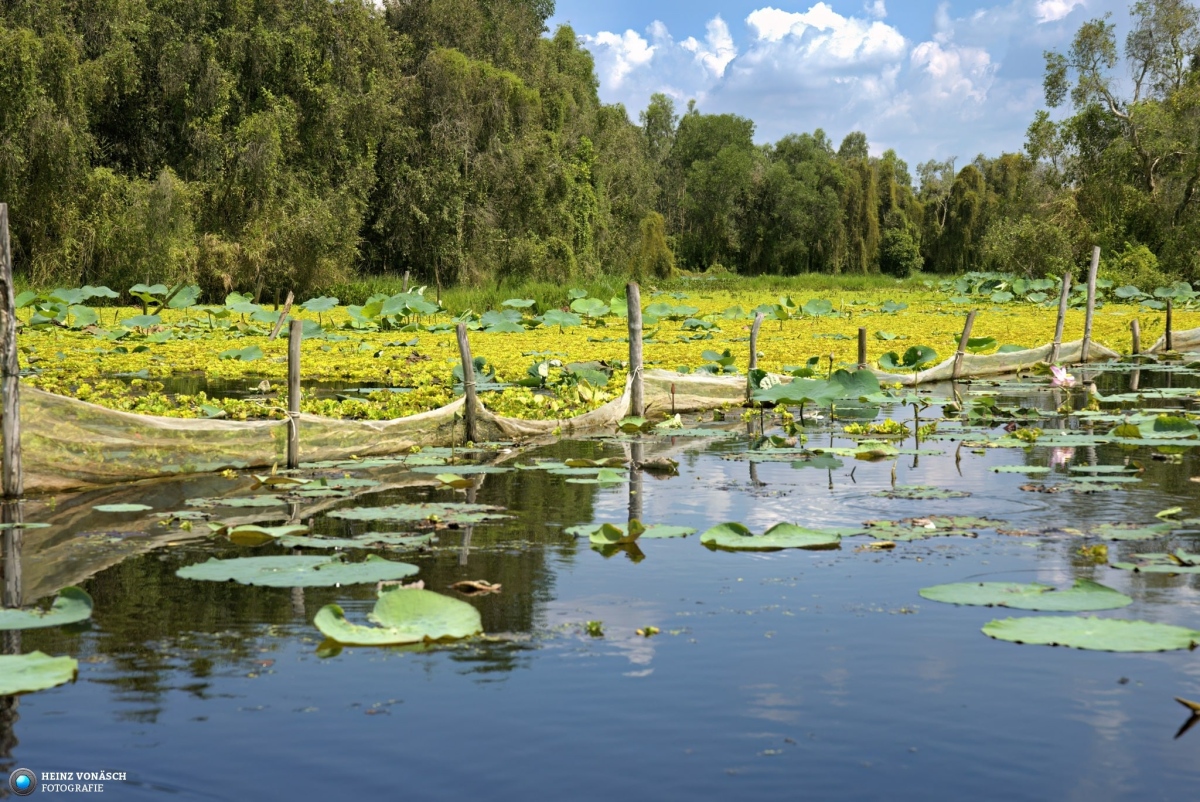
(13, 481)
(406, 282)
(758, 321)
(961, 353)
(1169, 336)
(1062, 317)
(862, 348)
(468, 368)
(295, 333)
(1135, 333)
(633, 300)
(283, 316)
(1091, 306)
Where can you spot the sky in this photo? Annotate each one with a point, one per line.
(931, 79)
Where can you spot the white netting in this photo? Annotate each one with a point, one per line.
(69, 443)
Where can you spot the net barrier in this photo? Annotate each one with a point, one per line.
(67, 443)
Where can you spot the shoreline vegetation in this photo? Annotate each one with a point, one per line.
(542, 353)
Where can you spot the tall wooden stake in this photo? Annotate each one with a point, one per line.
(1169, 336)
(406, 282)
(287, 307)
(1091, 306)
(758, 321)
(12, 481)
(468, 368)
(633, 300)
(1135, 332)
(862, 348)
(962, 344)
(295, 333)
(1062, 317)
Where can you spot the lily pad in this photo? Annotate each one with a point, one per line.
(70, 607)
(237, 501)
(461, 513)
(1087, 632)
(609, 534)
(933, 526)
(36, 671)
(1025, 469)
(1177, 562)
(1126, 531)
(921, 493)
(295, 571)
(1085, 596)
(403, 616)
(737, 537)
(122, 507)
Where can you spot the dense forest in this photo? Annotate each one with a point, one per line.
(259, 145)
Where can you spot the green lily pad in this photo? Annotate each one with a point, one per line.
(612, 534)
(403, 616)
(71, 606)
(1085, 596)
(460, 513)
(463, 470)
(36, 671)
(1125, 531)
(295, 571)
(933, 526)
(921, 493)
(1025, 469)
(737, 537)
(237, 501)
(1177, 562)
(1087, 632)
(122, 507)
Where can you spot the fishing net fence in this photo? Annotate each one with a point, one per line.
(69, 443)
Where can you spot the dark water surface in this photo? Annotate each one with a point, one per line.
(790, 674)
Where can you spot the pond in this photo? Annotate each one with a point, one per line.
(756, 674)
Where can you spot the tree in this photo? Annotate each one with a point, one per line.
(654, 257)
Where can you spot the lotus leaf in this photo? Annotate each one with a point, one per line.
(295, 571)
(1125, 531)
(71, 606)
(461, 513)
(1088, 632)
(1026, 469)
(1177, 562)
(735, 536)
(237, 501)
(1085, 596)
(122, 507)
(403, 616)
(921, 492)
(36, 671)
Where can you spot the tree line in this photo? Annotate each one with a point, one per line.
(260, 145)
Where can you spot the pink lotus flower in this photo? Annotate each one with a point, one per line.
(1061, 377)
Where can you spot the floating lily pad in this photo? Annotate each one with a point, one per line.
(36, 671)
(461, 513)
(294, 571)
(372, 540)
(1087, 632)
(464, 470)
(403, 616)
(933, 526)
(1177, 562)
(1025, 469)
(1125, 531)
(122, 507)
(1085, 596)
(736, 536)
(921, 493)
(70, 607)
(237, 501)
(610, 534)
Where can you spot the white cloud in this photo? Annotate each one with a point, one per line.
(825, 35)
(1054, 10)
(717, 50)
(953, 71)
(619, 54)
(876, 9)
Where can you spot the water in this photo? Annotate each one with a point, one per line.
(819, 674)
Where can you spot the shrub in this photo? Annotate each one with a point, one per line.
(899, 255)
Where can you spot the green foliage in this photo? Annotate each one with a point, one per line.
(899, 256)
(653, 258)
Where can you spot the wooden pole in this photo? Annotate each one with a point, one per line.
(12, 481)
(862, 348)
(287, 307)
(468, 367)
(758, 321)
(295, 333)
(1091, 306)
(633, 300)
(962, 344)
(406, 282)
(1062, 317)
(1135, 332)
(1169, 336)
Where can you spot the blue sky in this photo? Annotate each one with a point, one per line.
(930, 78)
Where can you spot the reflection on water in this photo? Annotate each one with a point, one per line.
(771, 672)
